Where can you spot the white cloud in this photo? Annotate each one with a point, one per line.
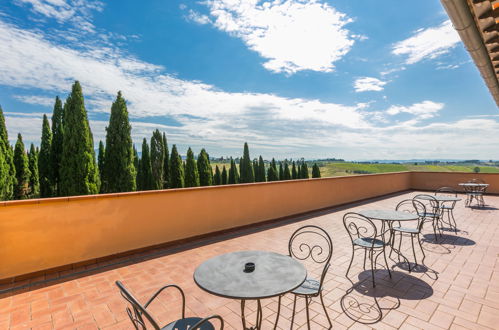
(423, 110)
(77, 12)
(368, 84)
(292, 35)
(196, 17)
(428, 43)
(34, 99)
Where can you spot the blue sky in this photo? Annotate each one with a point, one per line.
(294, 78)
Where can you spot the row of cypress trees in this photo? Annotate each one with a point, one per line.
(66, 164)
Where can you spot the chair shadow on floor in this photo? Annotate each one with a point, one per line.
(366, 304)
(452, 240)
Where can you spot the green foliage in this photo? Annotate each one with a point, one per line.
(34, 181)
(144, 177)
(224, 179)
(56, 147)
(476, 169)
(176, 169)
(100, 163)
(191, 170)
(316, 172)
(281, 172)
(118, 171)
(304, 171)
(204, 169)
(246, 167)
(287, 173)
(166, 163)
(22, 170)
(7, 167)
(272, 174)
(157, 159)
(217, 178)
(78, 172)
(44, 160)
(260, 171)
(233, 173)
(294, 174)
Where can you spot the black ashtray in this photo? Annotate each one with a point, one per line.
(249, 267)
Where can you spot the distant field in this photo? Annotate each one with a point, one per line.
(329, 169)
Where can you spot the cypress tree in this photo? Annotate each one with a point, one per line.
(281, 171)
(166, 163)
(304, 171)
(44, 165)
(246, 167)
(224, 179)
(261, 170)
(287, 172)
(34, 181)
(144, 176)
(294, 174)
(217, 178)
(233, 173)
(204, 169)
(100, 162)
(8, 170)
(157, 159)
(78, 172)
(272, 174)
(191, 170)
(316, 172)
(56, 147)
(22, 169)
(118, 170)
(176, 170)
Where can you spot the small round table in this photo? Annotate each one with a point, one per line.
(388, 217)
(227, 276)
(474, 190)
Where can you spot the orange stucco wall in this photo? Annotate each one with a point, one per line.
(435, 180)
(41, 234)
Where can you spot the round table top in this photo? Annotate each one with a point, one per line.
(389, 215)
(440, 198)
(274, 274)
(471, 184)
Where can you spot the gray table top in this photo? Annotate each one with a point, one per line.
(274, 275)
(389, 215)
(441, 198)
(471, 184)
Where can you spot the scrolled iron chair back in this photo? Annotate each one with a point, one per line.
(138, 310)
(312, 243)
(429, 201)
(413, 206)
(359, 226)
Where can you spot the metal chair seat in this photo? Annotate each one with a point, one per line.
(430, 215)
(310, 287)
(447, 207)
(369, 242)
(187, 323)
(406, 230)
(475, 193)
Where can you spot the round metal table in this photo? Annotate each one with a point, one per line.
(388, 217)
(273, 275)
(440, 198)
(474, 191)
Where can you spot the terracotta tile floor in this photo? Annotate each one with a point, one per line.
(459, 289)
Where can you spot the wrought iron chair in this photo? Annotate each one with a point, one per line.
(432, 211)
(311, 244)
(447, 208)
(364, 235)
(475, 192)
(140, 315)
(413, 206)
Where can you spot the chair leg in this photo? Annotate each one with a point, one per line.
(372, 266)
(365, 257)
(386, 262)
(451, 212)
(413, 250)
(278, 312)
(308, 313)
(325, 311)
(421, 247)
(293, 315)
(351, 261)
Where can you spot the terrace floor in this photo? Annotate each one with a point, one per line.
(458, 288)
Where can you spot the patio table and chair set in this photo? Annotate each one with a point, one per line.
(257, 275)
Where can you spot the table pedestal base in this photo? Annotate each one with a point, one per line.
(259, 316)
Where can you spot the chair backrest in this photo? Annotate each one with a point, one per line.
(359, 226)
(312, 243)
(447, 191)
(138, 310)
(413, 206)
(430, 202)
